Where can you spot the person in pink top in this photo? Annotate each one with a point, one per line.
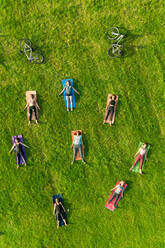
(140, 155)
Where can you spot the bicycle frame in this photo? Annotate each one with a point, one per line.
(26, 50)
(115, 48)
(119, 38)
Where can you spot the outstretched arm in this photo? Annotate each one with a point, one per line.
(137, 152)
(54, 209)
(62, 91)
(75, 90)
(114, 188)
(63, 207)
(24, 144)
(11, 149)
(37, 105)
(146, 156)
(26, 106)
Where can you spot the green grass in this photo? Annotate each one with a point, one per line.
(71, 36)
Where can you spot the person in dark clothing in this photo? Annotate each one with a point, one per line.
(59, 211)
(32, 105)
(111, 108)
(19, 153)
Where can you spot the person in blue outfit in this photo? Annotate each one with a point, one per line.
(68, 89)
(77, 146)
(116, 193)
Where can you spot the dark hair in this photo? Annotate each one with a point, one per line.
(114, 96)
(32, 96)
(17, 139)
(145, 144)
(78, 132)
(68, 82)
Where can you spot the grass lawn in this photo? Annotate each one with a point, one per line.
(72, 37)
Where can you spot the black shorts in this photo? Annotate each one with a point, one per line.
(68, 94)
(59, 216)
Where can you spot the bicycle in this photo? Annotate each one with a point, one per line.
(26, 45)
(115, 49)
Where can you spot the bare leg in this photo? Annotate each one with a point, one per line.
(17, 161)
(81, 154)
(65, 222)
(23, 159)
(67, 99)
(71, 103)
(74, 153)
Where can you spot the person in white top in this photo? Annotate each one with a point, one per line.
(140, 155)
(77, 146)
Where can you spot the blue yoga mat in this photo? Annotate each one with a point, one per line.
(54, 197)
(73, 96)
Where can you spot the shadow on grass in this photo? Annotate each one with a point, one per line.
(78, 88)
(86, 150)
(129, 37)
(129, 185)
(2, 60)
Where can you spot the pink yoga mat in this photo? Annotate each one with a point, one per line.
(23, 148)
(28, 93)
(110, 205)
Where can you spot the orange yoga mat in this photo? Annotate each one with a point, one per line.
(108, 119)
(83, 147)
(28, 93)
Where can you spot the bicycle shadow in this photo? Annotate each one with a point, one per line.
(129, 38)
(2, 60)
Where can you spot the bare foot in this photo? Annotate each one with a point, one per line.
(36, 122)
(130, 168)
(140, 171)
(29, 123)
(17, 166)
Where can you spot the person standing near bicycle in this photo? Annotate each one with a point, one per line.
(32, 106)
(68, 89)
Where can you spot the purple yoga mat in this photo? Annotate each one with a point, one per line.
(22, 147)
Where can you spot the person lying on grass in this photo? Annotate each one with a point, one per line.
(32, 105)
(117, 191)
(140, 155)
(77, 146)
(19, 153)
(68, 89)
(110, 110)
(59, 211)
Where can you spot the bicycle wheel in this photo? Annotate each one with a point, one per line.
(114, 51)
(37, 58)
(113, 33)
(25, 42)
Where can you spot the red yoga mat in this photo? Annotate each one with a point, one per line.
(110, 205)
